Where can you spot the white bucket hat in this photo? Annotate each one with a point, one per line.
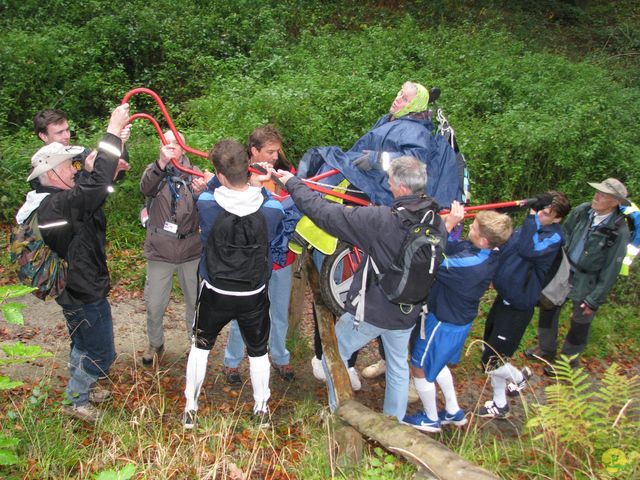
(50, 156)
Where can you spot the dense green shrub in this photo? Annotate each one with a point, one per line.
(527, 119)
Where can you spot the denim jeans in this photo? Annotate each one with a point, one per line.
(279, 295)
(92, 348)
(396, 346)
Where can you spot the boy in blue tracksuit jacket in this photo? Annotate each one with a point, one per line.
(526, 259)
(462, 279)
(218, 303)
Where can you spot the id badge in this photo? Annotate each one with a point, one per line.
(170, 227)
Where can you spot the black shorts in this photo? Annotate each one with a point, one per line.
(504, 329)
(215, 310)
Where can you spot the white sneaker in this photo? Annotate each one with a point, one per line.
(355, 379)
(318, 370)
(413, 393)
(375, 370)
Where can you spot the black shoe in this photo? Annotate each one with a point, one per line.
(514, 389)
(491, 410)
(536, 353)
(232, 376)
(285, 371)
(152, 353)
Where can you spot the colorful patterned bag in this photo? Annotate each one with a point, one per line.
(37, 265)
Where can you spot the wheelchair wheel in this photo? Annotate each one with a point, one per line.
(336, 276)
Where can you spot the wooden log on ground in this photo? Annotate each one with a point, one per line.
(413, 445)
(337, 369)
(346, 442)
(297, 301)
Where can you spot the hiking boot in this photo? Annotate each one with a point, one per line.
(550, 371)
(413, 393)
(458, 419)
(536, 353)
(232, 375)
(491, 410)
(87, 412)
(421, 422)
(285, 372)
(99, 395)
(354, 378)
(513, 389)
(150, 353)
(375, 370)
(318, 370)
(189, 419)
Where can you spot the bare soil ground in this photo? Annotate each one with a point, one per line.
(45, 326)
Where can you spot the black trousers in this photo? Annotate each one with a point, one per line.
(503, 330)
(215, 310)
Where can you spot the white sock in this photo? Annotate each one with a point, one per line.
(445, 381)
(259, 370)
(508, 372)
(196, 370)
(499, 385)
(427, 393)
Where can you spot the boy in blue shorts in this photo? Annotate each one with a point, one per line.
(462, 279)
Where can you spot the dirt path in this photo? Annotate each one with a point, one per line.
(45, 326)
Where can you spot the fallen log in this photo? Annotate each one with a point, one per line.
(337, 369)
(346, 444)
(413, 445)
(297, 301)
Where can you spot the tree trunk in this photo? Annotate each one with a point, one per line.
(413, 445)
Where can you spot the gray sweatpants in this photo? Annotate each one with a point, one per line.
(157, 292)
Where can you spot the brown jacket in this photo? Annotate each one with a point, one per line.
(161, 245)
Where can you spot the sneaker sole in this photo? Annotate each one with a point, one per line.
(457, 423)
(423, 428)
(497, 417)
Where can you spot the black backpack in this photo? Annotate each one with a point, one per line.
(409, 279)
(237, 252)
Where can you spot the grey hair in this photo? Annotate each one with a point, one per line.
(409, 172)
(44, 178)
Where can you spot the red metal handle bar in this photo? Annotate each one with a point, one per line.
(186, 148)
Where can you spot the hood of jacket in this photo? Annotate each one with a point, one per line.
(33, 201)
(239, 203)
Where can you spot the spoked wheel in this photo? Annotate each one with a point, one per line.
(336, 276)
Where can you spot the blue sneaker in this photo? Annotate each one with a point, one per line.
(421, 422)
(459, 419)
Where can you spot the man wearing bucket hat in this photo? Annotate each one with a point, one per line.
(596, 239)
(52, 125)
(72, 224)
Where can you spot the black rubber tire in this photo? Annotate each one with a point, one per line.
(334, 294)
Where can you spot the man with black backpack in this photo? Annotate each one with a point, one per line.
(382, 232)
(72, 224)
(172, 243)
(238, 221)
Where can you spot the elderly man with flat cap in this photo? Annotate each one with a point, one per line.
(596, 239)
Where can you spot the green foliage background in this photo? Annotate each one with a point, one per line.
(542, 94)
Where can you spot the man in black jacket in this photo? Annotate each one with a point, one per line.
(379, 231)
(72, 224)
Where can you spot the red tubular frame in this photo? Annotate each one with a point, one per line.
(318, 188)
